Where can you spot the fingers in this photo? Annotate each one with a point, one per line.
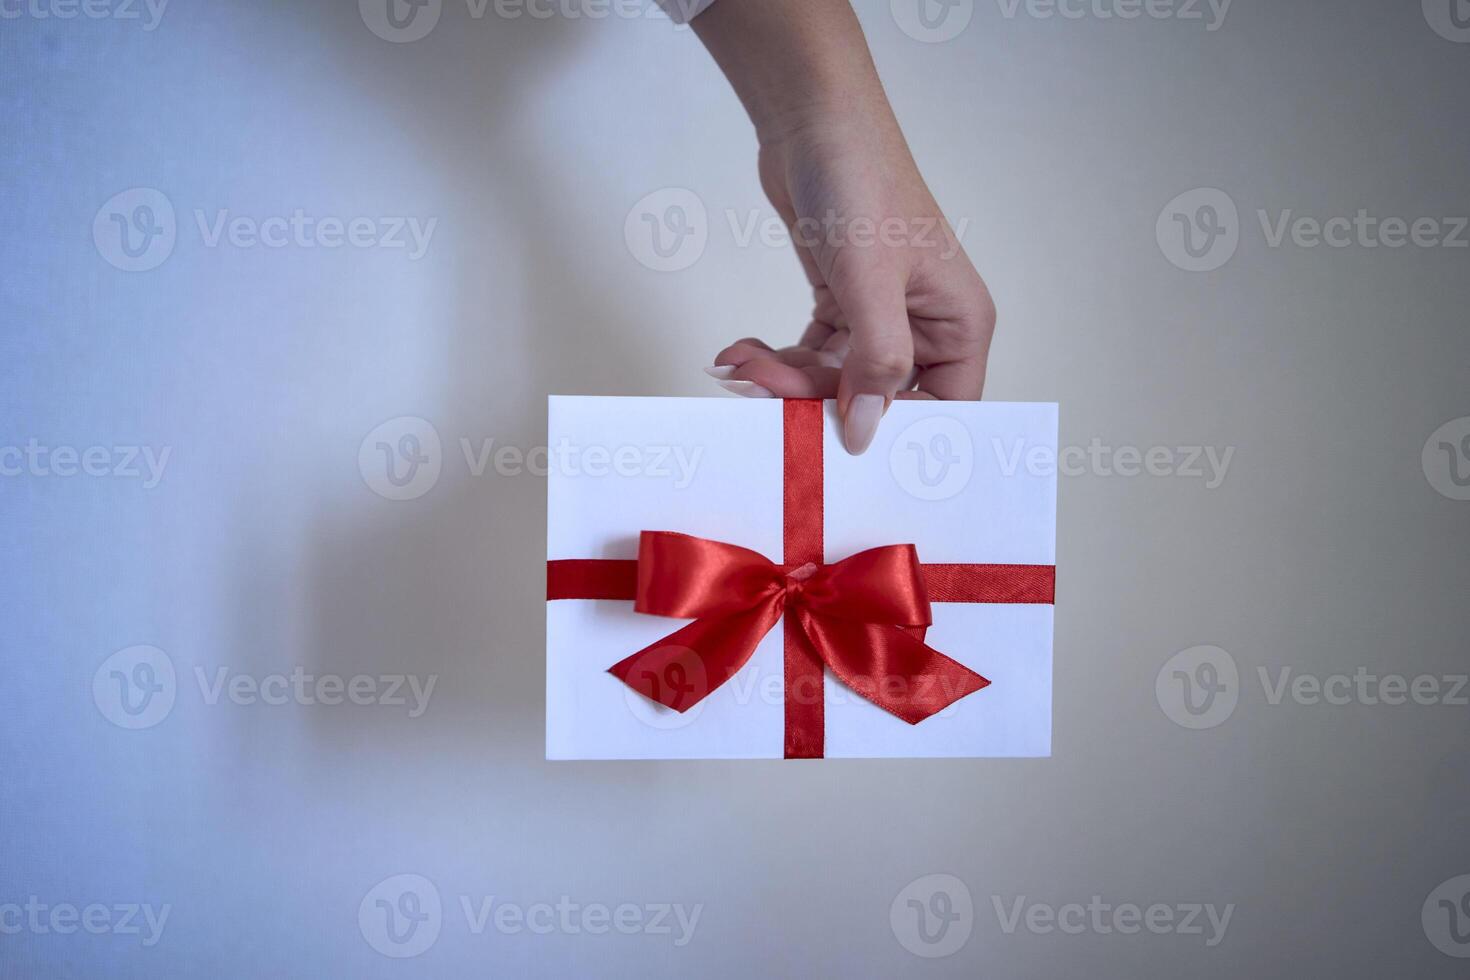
(751, 368)
(881, 360)
(816, 334)
(743, 350)
(783, 380)
(956, 381)
(742, 353)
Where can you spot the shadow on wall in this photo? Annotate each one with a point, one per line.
(452, 583)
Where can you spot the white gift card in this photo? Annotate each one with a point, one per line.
(968, 483)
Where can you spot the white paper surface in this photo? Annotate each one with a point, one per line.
(963, 481)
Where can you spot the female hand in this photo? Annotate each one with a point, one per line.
(897, 302)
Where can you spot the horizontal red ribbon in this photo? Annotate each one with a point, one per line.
(617, 578)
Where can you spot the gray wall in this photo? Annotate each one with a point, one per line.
(1335, 540)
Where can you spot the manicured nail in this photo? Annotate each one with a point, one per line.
(747, 388)
(720, 372)
(861, 424)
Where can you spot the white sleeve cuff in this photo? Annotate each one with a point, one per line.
(683, 11)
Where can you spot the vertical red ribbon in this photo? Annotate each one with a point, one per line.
(801, 542)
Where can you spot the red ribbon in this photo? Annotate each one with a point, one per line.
(863, 617)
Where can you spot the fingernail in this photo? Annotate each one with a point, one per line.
(720, 372)
(747, 388)
(861, 424)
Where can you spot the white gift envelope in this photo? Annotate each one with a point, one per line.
(970, 485)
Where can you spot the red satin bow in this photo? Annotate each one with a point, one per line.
(864, 617)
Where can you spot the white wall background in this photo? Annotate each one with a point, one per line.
(264, 549)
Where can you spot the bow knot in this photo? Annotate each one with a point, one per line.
(864, 617)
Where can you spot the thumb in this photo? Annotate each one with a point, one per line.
(881, 360)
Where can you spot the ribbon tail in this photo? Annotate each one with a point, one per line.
(891, 667)
(683, 668)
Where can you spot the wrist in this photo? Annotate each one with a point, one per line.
(796, 67)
